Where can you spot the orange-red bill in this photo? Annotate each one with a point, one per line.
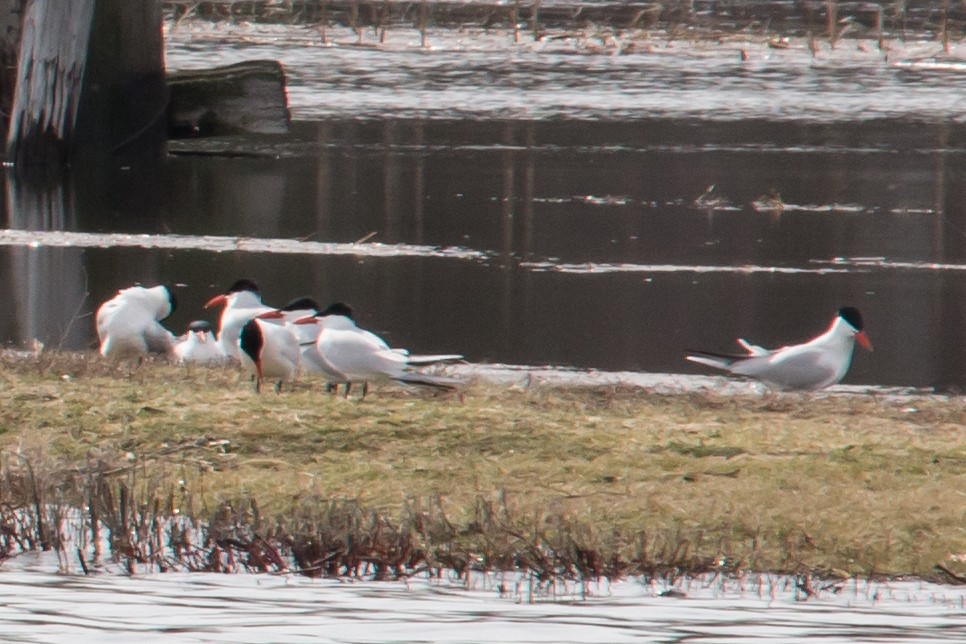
(216, 301)
(309, 320)
(863, 340)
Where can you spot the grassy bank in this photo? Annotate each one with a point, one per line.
(559, 481)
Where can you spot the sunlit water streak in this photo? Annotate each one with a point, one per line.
(592, 268)
(220, 244)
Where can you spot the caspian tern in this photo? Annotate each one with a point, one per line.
(269, 350)
(199, 344)
(810, 366)
(308, 335)
(242, 302)
(129, 324)
(297, 309)
(357, 355)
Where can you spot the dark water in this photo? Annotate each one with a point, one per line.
(595, 245)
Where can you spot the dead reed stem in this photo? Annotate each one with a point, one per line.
(831, 21)
(535, 21)
(423, 19)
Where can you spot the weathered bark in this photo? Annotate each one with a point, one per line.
(247, 97)
(53, 55)
(9, 40)
(90, 80)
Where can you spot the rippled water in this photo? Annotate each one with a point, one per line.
(37, 605)
(588, 74)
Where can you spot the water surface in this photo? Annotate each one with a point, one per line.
(568, 206)
(37, 605)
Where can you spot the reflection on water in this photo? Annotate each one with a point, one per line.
(589, 244)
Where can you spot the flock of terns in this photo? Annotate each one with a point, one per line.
(273, 344)
(277, 344)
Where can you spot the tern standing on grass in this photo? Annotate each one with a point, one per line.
(269, 350)
(242, 302)
(357, 355)
(810, 366)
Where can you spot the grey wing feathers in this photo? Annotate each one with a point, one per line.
(808, 369)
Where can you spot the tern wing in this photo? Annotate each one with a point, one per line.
(753, 349)
(313, 362)
(355, 355)
(801, 367)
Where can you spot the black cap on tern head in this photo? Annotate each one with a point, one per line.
(337, 308)
(200, 325)
(243, 285)
(301, 304)
(851, 315)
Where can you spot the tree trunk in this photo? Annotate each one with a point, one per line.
(53, 54)
(90, 81)
(124, 100)
(9, 40)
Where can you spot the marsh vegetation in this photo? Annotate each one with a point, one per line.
(188, 469)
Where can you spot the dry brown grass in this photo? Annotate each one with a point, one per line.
(596, 479)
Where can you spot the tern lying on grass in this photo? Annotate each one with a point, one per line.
(199, 345)
(810, 366)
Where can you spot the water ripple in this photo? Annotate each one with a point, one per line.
(47, 607)
(578, 76)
